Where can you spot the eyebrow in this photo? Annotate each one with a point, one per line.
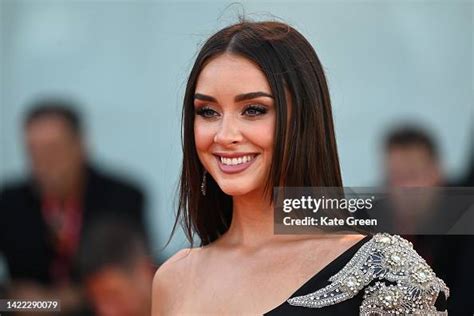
(238, 98)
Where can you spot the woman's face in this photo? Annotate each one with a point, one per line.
(234, 123)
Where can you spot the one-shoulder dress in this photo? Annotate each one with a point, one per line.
(380, 275)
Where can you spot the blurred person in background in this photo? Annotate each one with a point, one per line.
(457, 261)
(467, 179)
(42, 218)
(411, 160)
(411, 163)
(116, 269)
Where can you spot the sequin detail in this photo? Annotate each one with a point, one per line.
(409, 285)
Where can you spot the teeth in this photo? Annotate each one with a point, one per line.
(236, 161)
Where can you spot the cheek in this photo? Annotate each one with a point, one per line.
(266, 132)
(261, 134)
(203, 137)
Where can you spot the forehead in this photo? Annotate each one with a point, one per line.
(47, 127)
(230, 73)
(409, 153)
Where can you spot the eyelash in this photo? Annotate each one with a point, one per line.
(257, 109)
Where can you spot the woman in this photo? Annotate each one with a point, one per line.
(257, 115)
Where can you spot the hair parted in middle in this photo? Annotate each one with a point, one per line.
(305, 151)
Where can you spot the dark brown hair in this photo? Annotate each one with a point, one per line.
(310, 159)
(55, 107)
(411, 135)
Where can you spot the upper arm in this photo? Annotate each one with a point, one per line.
(168, 283)
(159, 294)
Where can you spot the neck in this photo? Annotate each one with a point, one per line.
(252, 220)
(74, 189)
(70, 187)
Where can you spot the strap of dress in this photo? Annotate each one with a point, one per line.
(404, 283)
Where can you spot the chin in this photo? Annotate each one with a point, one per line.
(234, 189)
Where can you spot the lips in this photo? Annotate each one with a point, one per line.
(234, 162)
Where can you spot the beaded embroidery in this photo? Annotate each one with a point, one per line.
(412, 286)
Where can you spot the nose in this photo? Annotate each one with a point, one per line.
(228, 132)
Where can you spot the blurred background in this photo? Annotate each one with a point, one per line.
(124, 65)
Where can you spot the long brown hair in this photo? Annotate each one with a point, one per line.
(305, 151)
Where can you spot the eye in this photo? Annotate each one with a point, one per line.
(255, 110)
(206, 112)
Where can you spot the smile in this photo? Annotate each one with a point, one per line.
(235, 163)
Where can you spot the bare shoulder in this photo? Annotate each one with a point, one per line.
(175, 267)
(339, 243)
(169, 279)
(350, 240)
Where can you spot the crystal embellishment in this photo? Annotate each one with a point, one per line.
(396, 281)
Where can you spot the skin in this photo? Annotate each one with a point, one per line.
(56, 155)
(115, 291)
(249, 270)
(412, 166)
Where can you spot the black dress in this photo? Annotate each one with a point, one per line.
(351, 305)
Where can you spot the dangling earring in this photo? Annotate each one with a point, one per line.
(203, 183)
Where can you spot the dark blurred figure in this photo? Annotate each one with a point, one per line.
(412, 160)
(116, 269)
(457, 261)
(467, 180)
(42, 218)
